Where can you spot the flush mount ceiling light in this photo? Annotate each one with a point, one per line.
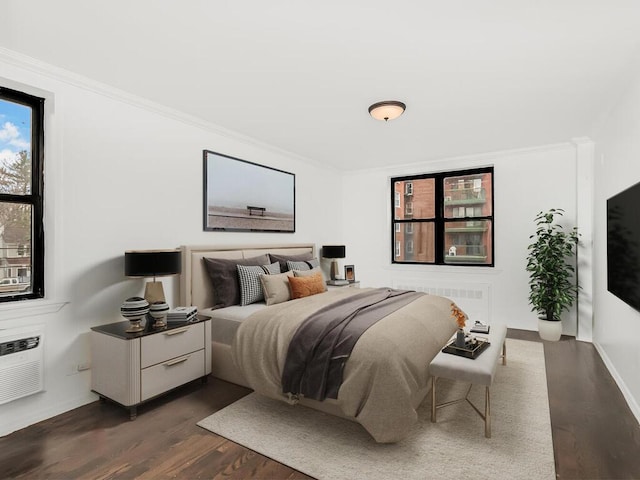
(387, 110)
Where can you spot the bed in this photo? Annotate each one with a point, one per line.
(385, 377)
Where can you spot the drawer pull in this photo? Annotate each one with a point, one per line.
(176, 331)
(175, 361)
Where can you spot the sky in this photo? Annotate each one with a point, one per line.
(233, 183)
(15, 130)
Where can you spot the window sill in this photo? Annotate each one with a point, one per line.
(30, 308)
(465, 269)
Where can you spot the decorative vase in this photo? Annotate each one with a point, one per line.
(134, 309)
(549, 330)
(460, 342)
(158, 310)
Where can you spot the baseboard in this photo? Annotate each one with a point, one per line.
(27, 420)
(631, 401)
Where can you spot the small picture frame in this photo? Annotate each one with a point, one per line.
(350, 273)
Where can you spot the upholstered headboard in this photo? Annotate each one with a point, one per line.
(195, 285)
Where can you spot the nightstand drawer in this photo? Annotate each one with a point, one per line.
(171, 373)
(170, 344)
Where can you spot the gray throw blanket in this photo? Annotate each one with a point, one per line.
(323, 342)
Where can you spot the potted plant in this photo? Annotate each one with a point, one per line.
(551, 275)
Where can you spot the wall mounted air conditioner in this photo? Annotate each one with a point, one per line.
(21, 362)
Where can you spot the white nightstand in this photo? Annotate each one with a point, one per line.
(131, 368)
(351, 284)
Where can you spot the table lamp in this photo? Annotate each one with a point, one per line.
(334, 252)
(152, 263)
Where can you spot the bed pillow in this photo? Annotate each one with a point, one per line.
(306, 286)
(294, 258)
(250, 286)
(303, 264)
(224, 277)
(307, 273)
(276, 288)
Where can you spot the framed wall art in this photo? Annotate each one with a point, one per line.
(350, 273)
(241, 196)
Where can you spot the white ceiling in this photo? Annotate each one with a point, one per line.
(476, 75)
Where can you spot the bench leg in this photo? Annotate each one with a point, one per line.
(433, 399)
(487, 413)
(504, 352)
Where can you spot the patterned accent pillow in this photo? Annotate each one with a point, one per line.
(306, 286)
(250, 286)
(303, 265)
(294, 258)
(272, 269)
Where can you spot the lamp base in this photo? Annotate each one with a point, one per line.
(334, 269)
(153, 292)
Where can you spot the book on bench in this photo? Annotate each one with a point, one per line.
(479, 327)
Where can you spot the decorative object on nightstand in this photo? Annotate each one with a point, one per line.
(350, 273)
(334, 252)
(134, 309)
(158, 310)
(152, 263)
(182, 314)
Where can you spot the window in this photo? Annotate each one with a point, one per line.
(397, 202)
(408, 188)
(409, 247)
(408, 208)
(21, 196)
(450, 216)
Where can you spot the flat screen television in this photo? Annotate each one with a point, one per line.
(623, 245)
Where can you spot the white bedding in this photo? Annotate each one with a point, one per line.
(225, 321)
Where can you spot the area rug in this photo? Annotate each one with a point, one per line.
(327, 447)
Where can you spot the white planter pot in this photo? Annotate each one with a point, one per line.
(549, 330)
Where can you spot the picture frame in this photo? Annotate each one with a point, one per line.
(242, 196)
(350, 273)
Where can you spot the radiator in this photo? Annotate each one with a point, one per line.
(473, 298)
(21, 362)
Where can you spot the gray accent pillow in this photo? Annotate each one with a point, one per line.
(224, 277)
(276, 288)
(307, 273)
(294, 258)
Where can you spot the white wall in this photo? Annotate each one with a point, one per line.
(124, 174)
(525, 182)
(617, 165)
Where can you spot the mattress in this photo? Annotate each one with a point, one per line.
(225, 321)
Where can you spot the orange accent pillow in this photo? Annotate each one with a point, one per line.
(306, 286)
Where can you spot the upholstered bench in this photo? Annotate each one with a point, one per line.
(480, 371)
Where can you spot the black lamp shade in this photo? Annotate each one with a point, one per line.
(152, 263)
(334, 251)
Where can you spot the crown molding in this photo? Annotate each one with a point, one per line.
(478, 159)
(79, 81)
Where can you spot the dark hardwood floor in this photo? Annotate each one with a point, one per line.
(595, 435)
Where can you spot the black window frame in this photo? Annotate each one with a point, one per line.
(439, 219)
(36, 197)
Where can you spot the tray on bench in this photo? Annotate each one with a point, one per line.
(469, 350)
